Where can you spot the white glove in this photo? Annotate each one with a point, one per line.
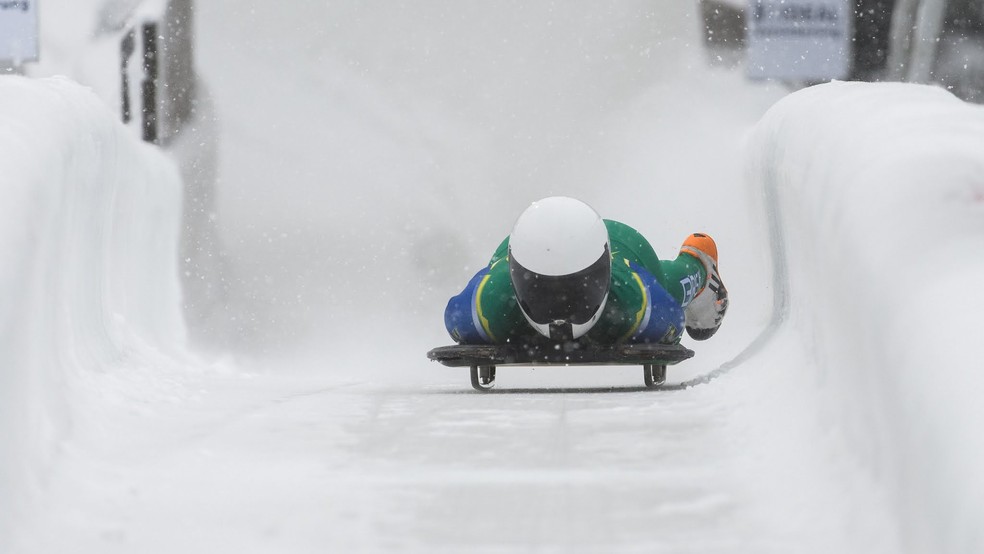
(705, 312)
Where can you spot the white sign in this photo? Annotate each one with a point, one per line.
(18, 31)
(799, 39)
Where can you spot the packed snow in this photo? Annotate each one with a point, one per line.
(880, 193)
(371, 157)
(91, 300)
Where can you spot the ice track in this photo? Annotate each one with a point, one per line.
(402, 142)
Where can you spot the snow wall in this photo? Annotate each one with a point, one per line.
(876, 197)
(88, 239)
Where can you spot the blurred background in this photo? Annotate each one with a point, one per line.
(349, 165)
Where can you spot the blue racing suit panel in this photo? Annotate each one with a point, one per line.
(663, 319)
(461, 317)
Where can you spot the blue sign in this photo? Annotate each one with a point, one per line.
(18, 31)
(799, 39)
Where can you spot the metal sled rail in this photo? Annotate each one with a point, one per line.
(483, 359)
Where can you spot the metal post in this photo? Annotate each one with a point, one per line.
(178, 71)
(929, 25)
(915, 32)
(903, 20)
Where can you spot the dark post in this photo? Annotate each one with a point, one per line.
(179, 70)
(149, 85)
(126, 52)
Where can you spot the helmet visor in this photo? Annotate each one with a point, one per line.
(575, 298)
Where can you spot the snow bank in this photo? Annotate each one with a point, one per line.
(88, 270)
(880, 188)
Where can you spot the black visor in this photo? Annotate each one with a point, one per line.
(573, 298)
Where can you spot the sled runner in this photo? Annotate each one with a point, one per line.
(483, 359)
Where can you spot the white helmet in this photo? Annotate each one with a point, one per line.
(560, 264)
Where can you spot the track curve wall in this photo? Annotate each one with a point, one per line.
(876, 202)
(88, 239)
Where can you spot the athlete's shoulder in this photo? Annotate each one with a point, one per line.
(619, 227)
(623, 236)
(626, 242)
(501, 252)
(624, 233)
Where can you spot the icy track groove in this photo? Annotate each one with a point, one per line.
(372, 448)
(303, 462)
